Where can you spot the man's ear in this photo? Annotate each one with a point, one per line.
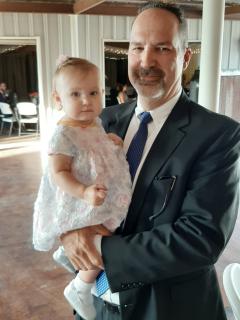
(187, 58)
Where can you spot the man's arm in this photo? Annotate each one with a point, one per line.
(199, 234)
(193, 240)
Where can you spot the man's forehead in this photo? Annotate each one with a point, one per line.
(154, 38)
(155, 18)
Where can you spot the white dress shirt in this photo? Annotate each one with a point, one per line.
(159, 116)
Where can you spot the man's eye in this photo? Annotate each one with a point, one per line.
(163, 49)
(137, 49)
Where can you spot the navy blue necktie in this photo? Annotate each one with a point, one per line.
(136, 147)
(134, 156)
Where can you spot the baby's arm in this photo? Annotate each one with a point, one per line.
(88, 276)
(60, 168)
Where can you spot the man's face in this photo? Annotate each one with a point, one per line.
(3, 86)
(156, 58)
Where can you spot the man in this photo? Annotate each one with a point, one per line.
(6, 95)
(185, 198)
(3, 92)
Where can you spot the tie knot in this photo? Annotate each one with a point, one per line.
(145, 117)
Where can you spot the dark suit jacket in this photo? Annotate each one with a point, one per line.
(182, 214)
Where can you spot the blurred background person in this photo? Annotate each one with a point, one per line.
(194, 86)
(6, 95)
(122, 93)
(3, 92)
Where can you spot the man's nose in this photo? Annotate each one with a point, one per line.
(148, 58)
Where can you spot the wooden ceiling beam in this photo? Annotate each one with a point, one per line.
(102, 7)
(6, 6)
(193, 13)
(231, 10)
(188, 2)
(81, 6)
(112, 9)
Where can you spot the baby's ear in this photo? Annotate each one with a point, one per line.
(54, 95)
(57, 100)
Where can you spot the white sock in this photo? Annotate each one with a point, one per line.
(81, 301)
(82, 287)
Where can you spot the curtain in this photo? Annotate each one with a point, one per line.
(19, 71)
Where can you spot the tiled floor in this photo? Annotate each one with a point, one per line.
(31, 284)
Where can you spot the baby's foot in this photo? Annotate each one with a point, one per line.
(81, 302)
(60, 257)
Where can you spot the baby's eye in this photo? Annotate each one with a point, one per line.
(94, 93)
(75, 94)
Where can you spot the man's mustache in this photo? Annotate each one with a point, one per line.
(143, 72)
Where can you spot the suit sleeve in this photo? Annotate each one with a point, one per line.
(197, 237)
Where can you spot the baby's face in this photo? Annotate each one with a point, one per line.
(80, 93)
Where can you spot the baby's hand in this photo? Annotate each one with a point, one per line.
(115, 139)
(95, 194)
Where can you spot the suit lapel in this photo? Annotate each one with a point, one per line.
(124, 119)
(166, 142)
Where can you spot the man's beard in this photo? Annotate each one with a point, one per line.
(150, 88)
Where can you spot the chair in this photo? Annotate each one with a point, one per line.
(7, 116)
(27, 113)
(231, 284)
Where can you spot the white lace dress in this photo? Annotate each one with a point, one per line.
(95, 160)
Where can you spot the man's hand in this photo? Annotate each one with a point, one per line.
(80, 249)
(115, 139)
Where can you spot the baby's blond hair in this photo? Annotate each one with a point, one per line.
(65, 62)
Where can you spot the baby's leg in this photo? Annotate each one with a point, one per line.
(88, 276)
(78, 293)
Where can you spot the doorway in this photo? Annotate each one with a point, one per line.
(116, 71)
(190, 79)
(20, 70)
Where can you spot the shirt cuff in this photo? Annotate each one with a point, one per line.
(98, 242)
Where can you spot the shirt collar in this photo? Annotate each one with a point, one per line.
(161, 112)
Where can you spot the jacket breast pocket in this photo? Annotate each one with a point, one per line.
(161, 191)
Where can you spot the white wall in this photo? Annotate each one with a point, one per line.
(231, 46)
(83, 36)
